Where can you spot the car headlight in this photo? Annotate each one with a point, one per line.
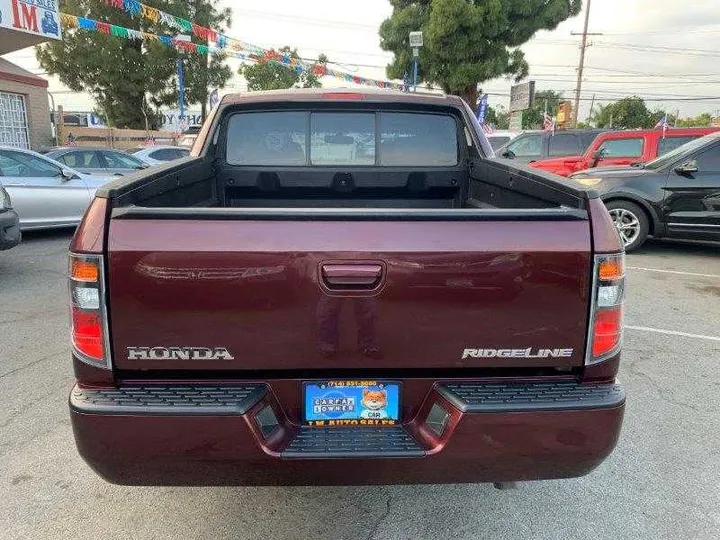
(4, 199)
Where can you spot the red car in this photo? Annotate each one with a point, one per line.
(623, 148)
(339, 287)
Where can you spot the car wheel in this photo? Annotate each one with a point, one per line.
(631, 222)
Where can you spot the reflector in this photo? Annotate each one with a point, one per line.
(612, 268)
(82, 270)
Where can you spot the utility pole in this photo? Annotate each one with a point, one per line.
(581, 66)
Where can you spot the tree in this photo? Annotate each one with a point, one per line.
(500, 117)
(628, 113)
(467, 42)
(702, 120)
(273, 75)
(125, 77)
(533, 118)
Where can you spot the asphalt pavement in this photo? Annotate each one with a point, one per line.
(662, 481)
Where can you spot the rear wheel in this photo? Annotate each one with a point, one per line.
(631, 222)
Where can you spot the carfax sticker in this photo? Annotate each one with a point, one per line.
(352, 403)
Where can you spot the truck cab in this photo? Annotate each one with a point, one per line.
(623, 148)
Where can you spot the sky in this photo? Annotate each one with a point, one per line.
(663, 50)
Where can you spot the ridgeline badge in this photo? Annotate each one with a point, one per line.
(517, 353)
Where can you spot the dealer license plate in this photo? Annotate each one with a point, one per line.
(351, 403)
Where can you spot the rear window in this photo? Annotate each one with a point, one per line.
(671, 143)
(563, 144)
(622, 148)
(497, 142)
(342, 138)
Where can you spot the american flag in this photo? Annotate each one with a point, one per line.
(548, 123)
(487, 129)
(663, 123)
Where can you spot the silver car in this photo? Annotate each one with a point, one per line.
(156, 155)
(45, 193)
(97, 161)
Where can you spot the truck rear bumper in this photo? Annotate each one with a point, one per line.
(464, 432)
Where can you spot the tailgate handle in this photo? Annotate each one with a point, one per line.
(351, 276)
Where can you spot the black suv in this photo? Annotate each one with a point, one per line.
(536, 145)
(676, 195)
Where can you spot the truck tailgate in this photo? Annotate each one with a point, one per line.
(259, 294)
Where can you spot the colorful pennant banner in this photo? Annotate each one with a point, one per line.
(265, 55)
(233, 47)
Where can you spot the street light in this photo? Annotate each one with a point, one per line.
(416, 41)
(180, 66)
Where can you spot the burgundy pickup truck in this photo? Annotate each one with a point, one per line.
(338, 287)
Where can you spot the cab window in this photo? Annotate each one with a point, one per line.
(622, 148)
(563, 144)
(526, 146)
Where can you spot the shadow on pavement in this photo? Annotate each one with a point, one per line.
(47, 234)
(679, 247)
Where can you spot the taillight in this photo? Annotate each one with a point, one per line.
(606, 317)
(87, 314)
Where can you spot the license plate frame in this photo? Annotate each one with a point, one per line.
(358, 408)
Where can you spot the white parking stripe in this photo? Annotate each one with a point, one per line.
(673, 272)
(671, 332)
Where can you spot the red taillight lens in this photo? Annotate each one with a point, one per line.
(607, 331)
(87, 319)
(87, 334)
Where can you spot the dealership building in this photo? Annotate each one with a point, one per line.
(24, 106)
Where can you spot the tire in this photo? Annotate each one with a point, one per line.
(631, 222)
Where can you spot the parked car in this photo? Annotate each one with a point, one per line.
(155, 155)
(532, 146)
(676, 195)
(45, 193)
(10, 234)
(209, 340)
(623, 148)
(500, 137)
(97, 161)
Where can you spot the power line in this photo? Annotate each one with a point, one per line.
(307, 20)
(617, 98)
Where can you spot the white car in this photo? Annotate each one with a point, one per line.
(156, 155)
(45, 194)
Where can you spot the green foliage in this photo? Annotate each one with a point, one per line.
(500, 117)
(628, 113)
(276, 76)
(533, 118)
(203, 72)
(467, 42)
(127, 78)
(702, 120)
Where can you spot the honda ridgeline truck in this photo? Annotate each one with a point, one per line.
(337, 287)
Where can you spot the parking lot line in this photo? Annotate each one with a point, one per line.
(673, 272)
(671, 332)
